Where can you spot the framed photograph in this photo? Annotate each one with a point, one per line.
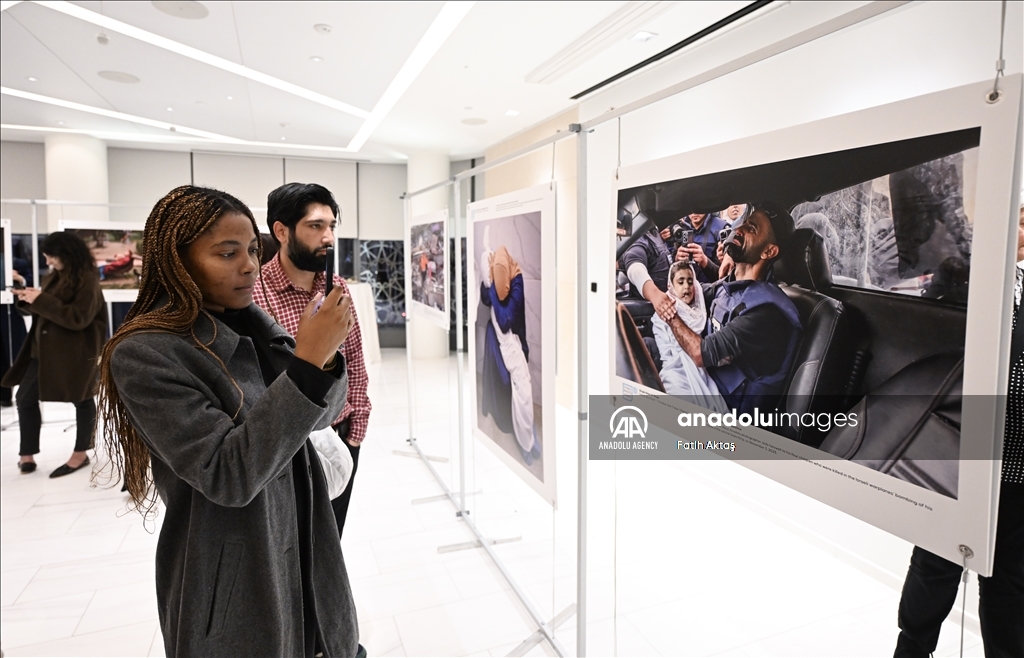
(6, 262)
(117, 248)
(428, 267)
(511, 303)
(830, 305)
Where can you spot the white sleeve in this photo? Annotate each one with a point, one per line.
(335, 459)
(638, 276)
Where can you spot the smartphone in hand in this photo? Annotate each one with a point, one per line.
(329, 272)
(328, 277)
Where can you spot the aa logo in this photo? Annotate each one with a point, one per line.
(628, 423)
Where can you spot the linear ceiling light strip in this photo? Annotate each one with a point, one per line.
(105, 22)
(444, 24)
(206, 136)
(112, 114)
(728, 20)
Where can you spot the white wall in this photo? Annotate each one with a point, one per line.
(140, 178)
(380, 205)
(249, 178)
(22, 176)
(76, 170)
(338, 177)
(913, 50)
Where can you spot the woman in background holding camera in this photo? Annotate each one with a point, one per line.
(57, 363)
(204, 396)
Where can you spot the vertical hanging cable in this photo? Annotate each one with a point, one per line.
(967, 554)
(551, 185)
(994, 95)
(618, 157)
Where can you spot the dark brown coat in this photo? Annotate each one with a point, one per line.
(68, 331)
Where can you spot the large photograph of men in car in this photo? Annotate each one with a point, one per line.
(427, 253)
(835, 283)
(118, 255)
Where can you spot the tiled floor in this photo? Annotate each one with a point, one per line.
(77, 569)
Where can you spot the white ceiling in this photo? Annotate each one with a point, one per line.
(479, 72)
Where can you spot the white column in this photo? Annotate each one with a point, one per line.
(76, 170)
(429, 341)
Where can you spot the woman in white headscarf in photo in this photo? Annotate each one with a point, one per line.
(680, 375)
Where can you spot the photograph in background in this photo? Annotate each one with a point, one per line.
(6, 262)
(117, 248)
(511, 337)
(876, 275)
(428, 270)
(902, 245)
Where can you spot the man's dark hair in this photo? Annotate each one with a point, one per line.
(290, 202)
(781, 221)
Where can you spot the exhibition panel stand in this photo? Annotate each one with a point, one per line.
(585, 287)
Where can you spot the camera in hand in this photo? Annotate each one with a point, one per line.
(680, 237)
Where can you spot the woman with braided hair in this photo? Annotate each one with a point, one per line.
(204, 397)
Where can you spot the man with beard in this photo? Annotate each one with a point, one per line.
(753, 328)
(302, 218)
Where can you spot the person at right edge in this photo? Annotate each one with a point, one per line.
(932, 582)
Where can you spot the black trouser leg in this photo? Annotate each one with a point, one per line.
(85, 424)
(30, 418)
(928, 595)
(340, 504)
(1002, 595)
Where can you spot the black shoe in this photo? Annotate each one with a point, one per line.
(27, 467)
(64, 469)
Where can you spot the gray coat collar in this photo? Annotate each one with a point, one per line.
(225, 341)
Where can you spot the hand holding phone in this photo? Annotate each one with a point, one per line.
(329, 272)
(328, 278)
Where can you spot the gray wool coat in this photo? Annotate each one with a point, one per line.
(228, 564)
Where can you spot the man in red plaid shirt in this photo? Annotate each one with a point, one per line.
(302, 218)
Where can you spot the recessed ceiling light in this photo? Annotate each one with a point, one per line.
(60, 123)
(170, 109)
(118, 76)
(231, 98)
(282, 139)
(33, 79)
(316, 58)
(322, 28)
(193, 10)
(113, 25)
(642, 36)
(511, 113)
(474, 121)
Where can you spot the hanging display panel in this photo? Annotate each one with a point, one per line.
(7, 264)
(428, 266)
(117, 249)
(511, 300)
(829, 305)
